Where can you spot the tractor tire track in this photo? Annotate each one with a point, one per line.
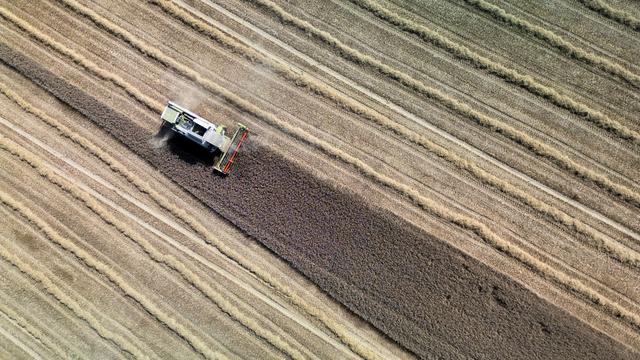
(203, 235)
(577, 36)
(570, 227)
(51, 306)
(598, 243)
(516, 50)
(597, 239)
(463, 164)
(131, 324)
(601, 288)
(254, 171)
(531, 114)
(227, 31)
(601, 242)
(19, 343)
(512, 76)
(60, 295)
(39, 337)
(557, 41)
(427, 204)
(403, 113)
(114, 280)
(34, 338)
(79, 253)
(79, 60)
(115, 209)
(588, 42)
(162, 202)
(537, 147)
(161, 235)
(168, 260)
(190, 74)
(612, 13)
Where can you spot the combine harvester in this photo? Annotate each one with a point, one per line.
(210, 136)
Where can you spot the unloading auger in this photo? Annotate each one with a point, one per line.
(206, 134)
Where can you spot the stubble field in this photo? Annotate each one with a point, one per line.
(423, 179)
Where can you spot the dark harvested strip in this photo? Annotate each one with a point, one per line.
(594, 238)
(426, 295)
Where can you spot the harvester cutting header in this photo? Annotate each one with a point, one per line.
(210, 136)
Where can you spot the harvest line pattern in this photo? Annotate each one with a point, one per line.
(606, 10)
(69, 67)
(110, 120)
(427, 204)
(60, 295)
(89, 260)
(594, 238)
(561, 44)
(338, 329)
(168, 260)
(537, 147)
(194, 224)
(44, 339)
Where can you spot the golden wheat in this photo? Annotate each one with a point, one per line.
(558, 42)
(45, 339)
(60, 295)
(607, 10)
(168, 260)
(537, 147)
(426, 204)
(594, 238)
(510, 75)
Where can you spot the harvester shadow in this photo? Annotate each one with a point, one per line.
(189, 151)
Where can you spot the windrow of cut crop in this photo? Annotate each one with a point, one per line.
(341, 331)
(527, 82)
(78, 309)
(537, 147)
(427, 204)
(78, 59)
(48, 340)
(163, 202)
(558, 42)
(165, 259)
(24, 213)
(133, 179)
(63, 98)
(127, 289)
(606, 10)
(338, 329)
(593, 238)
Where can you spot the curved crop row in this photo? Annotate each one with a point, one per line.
(60, 295)
(558, 42)
(595, 239)
(165, 259)
(607, 10)
(427, 204)
(536, 146)
(527, 82)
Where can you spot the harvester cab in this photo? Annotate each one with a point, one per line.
(210, 136)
